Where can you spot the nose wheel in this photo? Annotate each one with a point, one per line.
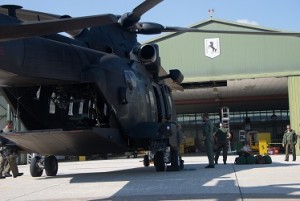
(177, 163)
(146, 161)
(159, 161)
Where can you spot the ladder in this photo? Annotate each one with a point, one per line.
(225, 121)
(225, 117)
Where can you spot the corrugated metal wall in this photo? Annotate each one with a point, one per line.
(241, 56)
(3, 112)
(294, 105)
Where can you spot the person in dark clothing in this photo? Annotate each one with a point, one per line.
(289, 141)
(3, 161)
(9, 153)
(222, 137)
(208, 130)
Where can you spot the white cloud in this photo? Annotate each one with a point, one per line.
(245, 21)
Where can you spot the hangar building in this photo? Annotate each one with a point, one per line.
(254, 77)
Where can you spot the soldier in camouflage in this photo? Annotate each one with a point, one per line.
(289, 141)
(222, 137)
(208, 130)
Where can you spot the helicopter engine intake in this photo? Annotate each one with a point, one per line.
(146, 54)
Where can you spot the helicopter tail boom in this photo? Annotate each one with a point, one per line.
(37, 61)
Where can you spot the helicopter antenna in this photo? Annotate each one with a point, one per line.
(211, 12)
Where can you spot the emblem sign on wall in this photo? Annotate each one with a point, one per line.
(212, 47)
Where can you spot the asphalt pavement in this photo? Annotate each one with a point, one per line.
(126, 179)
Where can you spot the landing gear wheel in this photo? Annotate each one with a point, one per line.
(181, 164)
(51, 166)
(159, 161)
(35, 169)
(175, 160)
(146, 161)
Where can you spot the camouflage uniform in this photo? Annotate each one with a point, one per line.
(10, 154)
(289, 141)
(222, 141)
(208, 130)
(3, 161)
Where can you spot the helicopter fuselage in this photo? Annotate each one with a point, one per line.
(55, 82)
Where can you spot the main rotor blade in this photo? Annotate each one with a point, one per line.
(30, 15)
(30, 29)
(263, 32)
(144, 7)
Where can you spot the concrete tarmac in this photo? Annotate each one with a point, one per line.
(127, 179)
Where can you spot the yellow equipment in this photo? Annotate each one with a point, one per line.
(254, 138)
(189, 145)
(263, 147)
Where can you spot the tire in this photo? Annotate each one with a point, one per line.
(51, 166)
(146, 161)
(35, 170)
(181, 164)
(159, 161)
(175, 160)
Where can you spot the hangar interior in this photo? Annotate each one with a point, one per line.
(254, 76)
(264, 101)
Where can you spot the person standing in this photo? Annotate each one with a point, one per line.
(289, 141)
(3, 160)
(10, 153)
(222, 137)
(208, 130)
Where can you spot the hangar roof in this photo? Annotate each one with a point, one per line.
(202, 24)
(255, 67)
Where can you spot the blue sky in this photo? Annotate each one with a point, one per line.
(274, 14)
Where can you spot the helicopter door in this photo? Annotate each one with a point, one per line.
(167, 101)
(153, 105)
(160, 104)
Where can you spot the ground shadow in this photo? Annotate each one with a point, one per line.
(145, 183)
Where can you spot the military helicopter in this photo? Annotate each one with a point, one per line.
(98, 92)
